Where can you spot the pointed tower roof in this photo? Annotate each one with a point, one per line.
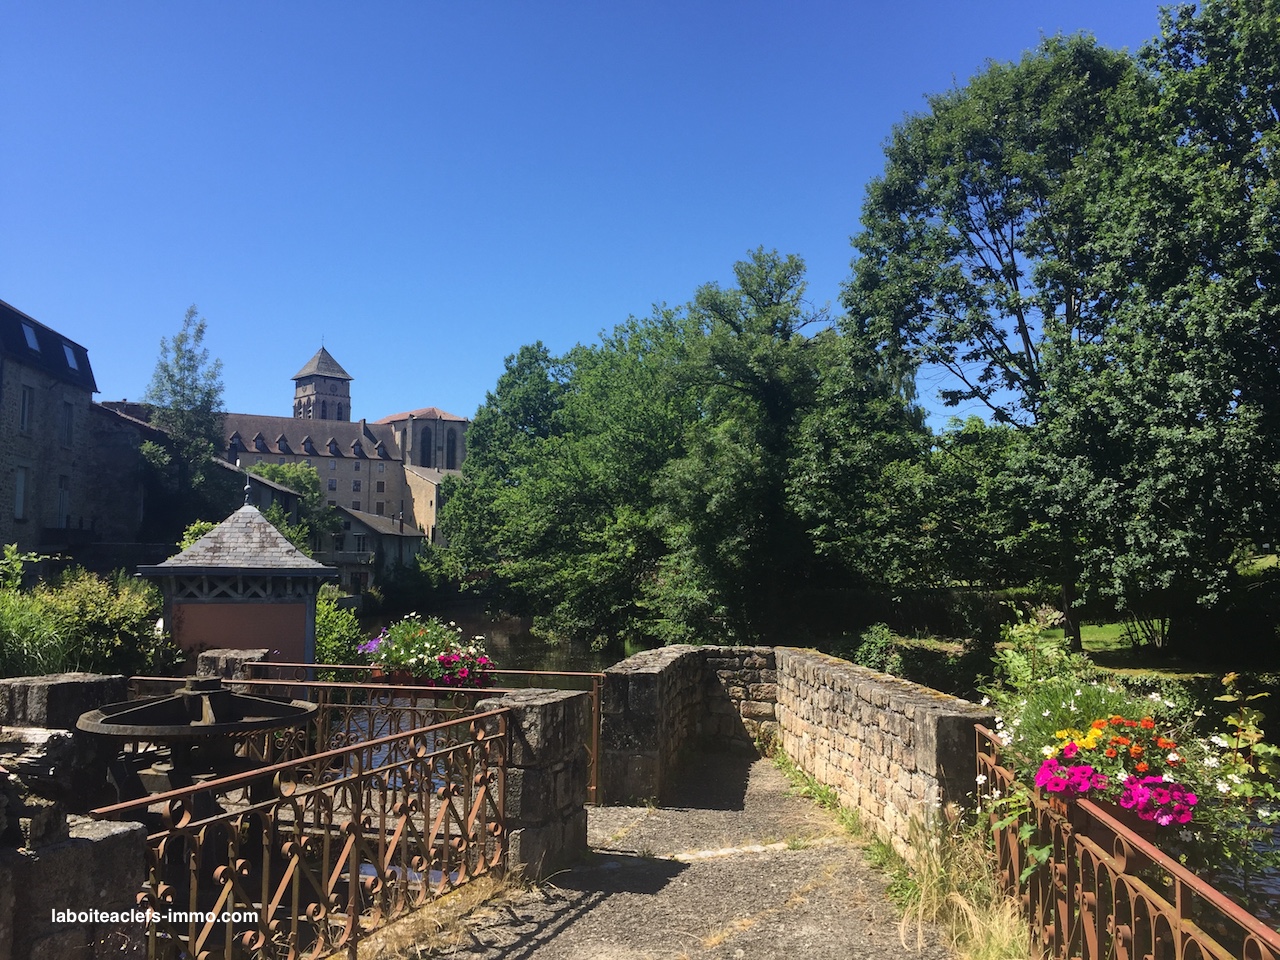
(323, 365)
(245, 542)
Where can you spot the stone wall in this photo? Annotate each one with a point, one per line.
(659, 704)
(891, 749)
(546, 790)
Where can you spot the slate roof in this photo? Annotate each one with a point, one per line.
(54, 354)
(424, 413)
(245, 542)
(433, 474)
(323, 365)
(344, 434)
(385, 526)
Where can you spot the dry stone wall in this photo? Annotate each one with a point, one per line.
(891, 749)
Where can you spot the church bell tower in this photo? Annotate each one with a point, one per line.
(322, 389)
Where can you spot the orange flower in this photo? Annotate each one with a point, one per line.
(1164, 743)
(1121, 741)
(1131, 723)
(1147, 723)
(1109, 752)
(1142, 767)
(1099, 725)
(1117, 720)
(1135, 751)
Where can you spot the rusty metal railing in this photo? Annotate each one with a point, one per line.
(306, 857)
(359, 676)
(1107, 892)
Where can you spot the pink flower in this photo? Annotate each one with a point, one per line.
(1070, 750)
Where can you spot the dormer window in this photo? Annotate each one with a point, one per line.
(259, 442)
(356, 449)
(308, 445)
(282, 444)
(334, 449)
(71, 356)
(234, 443)
(29, 332)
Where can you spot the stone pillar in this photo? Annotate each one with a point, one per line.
(651, 710)
(548, 732)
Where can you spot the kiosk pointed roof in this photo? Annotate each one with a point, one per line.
(245, 542)
(323, 365)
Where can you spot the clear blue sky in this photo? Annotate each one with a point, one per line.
(430, 185)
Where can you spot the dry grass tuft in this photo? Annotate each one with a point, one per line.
(442, 924)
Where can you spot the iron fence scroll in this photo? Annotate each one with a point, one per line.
(1107, 892)
(318, 852)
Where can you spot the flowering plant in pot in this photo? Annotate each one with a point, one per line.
(430, 651)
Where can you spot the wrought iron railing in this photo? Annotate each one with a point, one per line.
(387, 699)
(1106, 892)
(306, 857)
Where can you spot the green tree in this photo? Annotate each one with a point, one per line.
(741, 546)
(1170, 419)
(973, 238)
(185, 395)
(976, 251)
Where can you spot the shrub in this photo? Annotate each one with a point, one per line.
(338, 634)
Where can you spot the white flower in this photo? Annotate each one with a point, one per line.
(985, 701)
(980, 778)
(1184, 836)
(1155, 697)
(1223, 786)
(1173, 758)
(1047, 751)
(1210, 762)
(1218, 740)
(1045, 714)
(995, 794)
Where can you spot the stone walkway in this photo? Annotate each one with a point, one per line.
(737, 867)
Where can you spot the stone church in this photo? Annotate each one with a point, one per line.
(382, 476)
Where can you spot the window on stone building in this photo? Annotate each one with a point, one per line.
(333, 464)
(382, 486)
(428, 458)
(355, 504)
(68, 422)
(20, 494)
(29, 332)
(333, 503)
(27, 415)
(451, 450)
(324, 409)
(338, 415)
(333, 483)
(71, 356)
(382, 468)
(64, 501)
(355, 486)
(379, 507)
(362, 543)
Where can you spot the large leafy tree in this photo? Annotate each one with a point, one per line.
(974, 257)
(973, 238)
(740, 546)
(1173, 416)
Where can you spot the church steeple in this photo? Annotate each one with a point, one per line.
(322, 389)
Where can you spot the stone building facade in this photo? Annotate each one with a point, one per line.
(46, 392)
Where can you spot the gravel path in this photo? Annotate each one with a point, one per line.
(738, 868)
